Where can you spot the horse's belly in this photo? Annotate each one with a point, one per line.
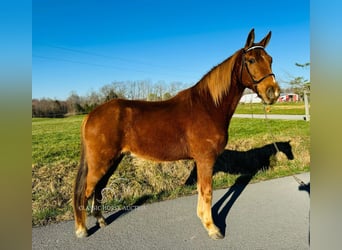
(158, 146)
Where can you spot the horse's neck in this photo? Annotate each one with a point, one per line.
(234, 95)
(223, 112)
(231, 101)
(273, 148)
(224, 108)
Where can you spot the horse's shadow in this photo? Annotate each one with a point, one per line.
(219, 216)
(245, 163)
(111, 218)
(305, 187)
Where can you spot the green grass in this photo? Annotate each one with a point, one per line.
(283, 108)
(261, 128)
(56, 153)
(56, 140)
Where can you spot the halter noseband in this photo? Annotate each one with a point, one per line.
(245, 64)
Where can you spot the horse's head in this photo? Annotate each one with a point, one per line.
(256, 71)
(286, 148)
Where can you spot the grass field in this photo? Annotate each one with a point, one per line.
(56, 152)
(283, 108)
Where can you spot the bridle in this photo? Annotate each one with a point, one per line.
(244, 64)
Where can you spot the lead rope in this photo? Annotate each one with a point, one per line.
(299, 181)
(270, 130)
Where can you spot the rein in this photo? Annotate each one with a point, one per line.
(245, 64)
(270, 130)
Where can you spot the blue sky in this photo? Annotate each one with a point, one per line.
(82, 45)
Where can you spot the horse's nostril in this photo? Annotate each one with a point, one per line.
(270, 93)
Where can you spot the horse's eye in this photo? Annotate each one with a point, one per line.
(251, 61)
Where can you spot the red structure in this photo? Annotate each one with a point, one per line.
(290, 97)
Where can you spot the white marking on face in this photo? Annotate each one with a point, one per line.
(276, 92)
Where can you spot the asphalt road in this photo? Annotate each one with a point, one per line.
(272, 214)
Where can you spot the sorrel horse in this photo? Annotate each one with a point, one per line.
(191, 125)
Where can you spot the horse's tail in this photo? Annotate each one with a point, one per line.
(80, 182)
(79, 201)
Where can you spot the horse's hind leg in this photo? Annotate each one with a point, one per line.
(97, 198)
(97, 207)
(90, 173)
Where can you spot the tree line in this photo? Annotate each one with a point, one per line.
(139, 90)
(76, 104)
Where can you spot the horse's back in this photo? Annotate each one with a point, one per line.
(153, 130)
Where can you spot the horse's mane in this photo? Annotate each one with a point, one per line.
(218, 80)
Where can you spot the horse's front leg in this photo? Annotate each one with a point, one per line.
(205, 190)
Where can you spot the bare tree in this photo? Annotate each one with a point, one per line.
(300, 84)
(48, 108)
(74, 103)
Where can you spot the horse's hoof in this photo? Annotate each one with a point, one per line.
(101, 222)
(81, 233)
(216, 235)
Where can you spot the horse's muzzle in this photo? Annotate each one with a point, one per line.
(272, 94)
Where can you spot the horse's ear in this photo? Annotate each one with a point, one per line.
(266, 39)
(250, 39)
